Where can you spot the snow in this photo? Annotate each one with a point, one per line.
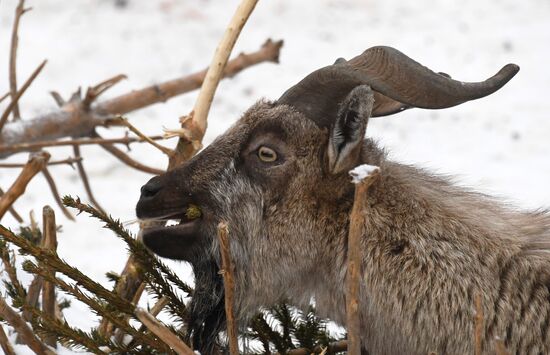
(361, 172)
(497, 145)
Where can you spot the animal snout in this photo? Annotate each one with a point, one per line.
(151, 188)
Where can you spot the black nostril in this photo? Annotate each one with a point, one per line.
(151, 188)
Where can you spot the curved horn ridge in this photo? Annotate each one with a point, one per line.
(398, 81)
(401, 78)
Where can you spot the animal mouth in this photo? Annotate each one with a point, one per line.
(176, 238)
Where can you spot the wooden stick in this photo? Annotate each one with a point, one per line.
(36, 163)
(478, 320)
(229, 287)
(19, 11)
(163, 332)
(48, 289)
(23, 329)
(355, 257)
(33, 294)
(82, 141)
(71, 121)
(193, 126)
(15, 99)
(5, 343)
(69, 161)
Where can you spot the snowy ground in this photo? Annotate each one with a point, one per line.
(497, 145)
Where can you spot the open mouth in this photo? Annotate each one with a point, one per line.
(174, 239)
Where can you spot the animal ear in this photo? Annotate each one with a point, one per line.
(348, 130)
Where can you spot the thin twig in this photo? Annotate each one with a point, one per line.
(21, 327)
(15, 99)
(163, 332)
(95, 91)
(478, 320)
(69, 161)
(48, 289)
(84, 178)
(355, 257)
(193, 126)
(12, 210)
(229, 288)
(5, 343)
(121, 121)
(2, 98)
(82, 141)
(19, 11)
(36, 163)
(55, 193)
(126, 159)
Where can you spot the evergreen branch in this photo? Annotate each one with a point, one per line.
(21, 327)
(136, 247)
(95, 305)
(9, 266)
(50, 259)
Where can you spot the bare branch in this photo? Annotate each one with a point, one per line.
(19, 11)
(121, 121)
(2, 98)
(82, 141)
(48, 289)
(229, 287)
(125, 158)
(5, 342)
(355, 257)
(55, 193)
(84, 178)
(12, 210)
(163, 332)
(193, 126)
(71, 120)
(23, 329)
(69, 161)
(15, 99)
(36, 163)
(93, 92)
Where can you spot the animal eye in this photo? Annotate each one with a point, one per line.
(266, 154)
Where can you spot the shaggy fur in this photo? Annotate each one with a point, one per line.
(429, 247)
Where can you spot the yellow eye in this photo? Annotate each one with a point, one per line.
(266, 154)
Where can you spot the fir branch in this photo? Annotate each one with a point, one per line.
(50, 259)
(96, 305)
(136, 247)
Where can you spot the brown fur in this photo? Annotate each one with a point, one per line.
(429, 247)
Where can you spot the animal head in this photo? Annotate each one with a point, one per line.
(279, 178)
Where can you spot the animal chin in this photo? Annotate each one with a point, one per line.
(173, 241)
